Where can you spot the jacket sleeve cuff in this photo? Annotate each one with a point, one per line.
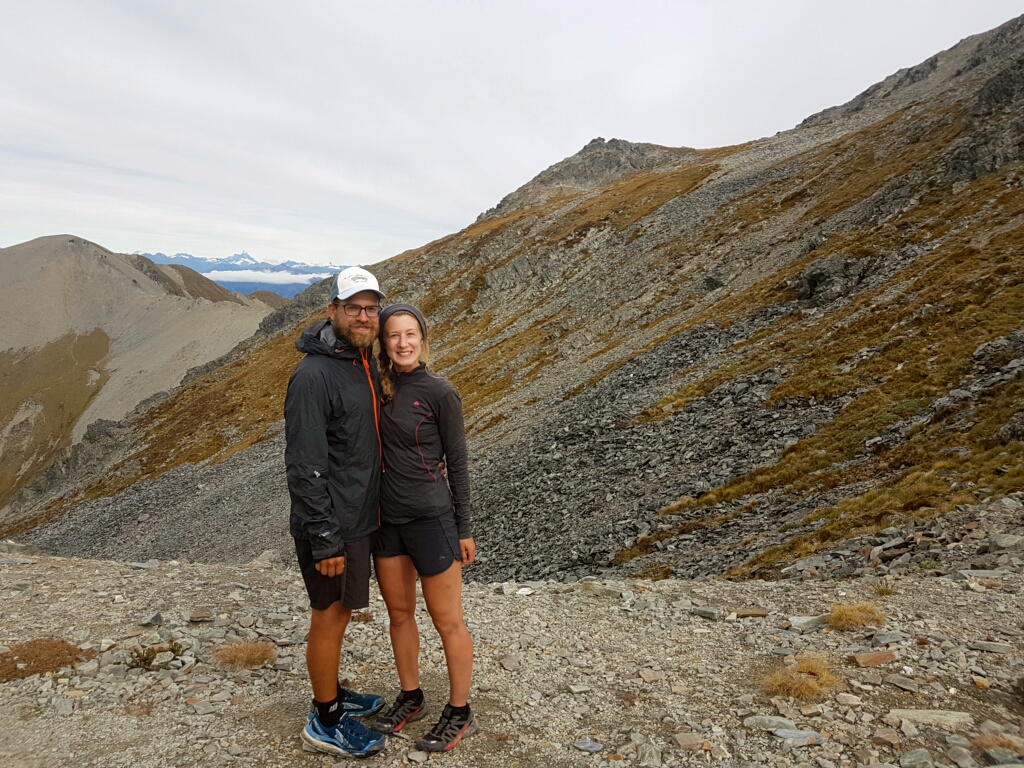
(324, 548)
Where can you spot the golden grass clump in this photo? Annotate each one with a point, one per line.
(847, 616)
(38, 657)
(986, 741)
(245, 655)
(810, 678)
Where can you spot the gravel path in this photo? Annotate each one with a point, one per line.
(656, 673)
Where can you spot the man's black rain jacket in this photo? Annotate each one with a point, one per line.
(333, 454)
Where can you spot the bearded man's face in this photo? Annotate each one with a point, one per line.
(361, 330)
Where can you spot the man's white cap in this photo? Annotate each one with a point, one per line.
(351, 281)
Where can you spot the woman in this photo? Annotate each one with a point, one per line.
(425, 524)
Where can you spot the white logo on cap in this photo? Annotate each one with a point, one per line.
(357, 278)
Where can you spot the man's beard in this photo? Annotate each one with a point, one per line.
(360, 338)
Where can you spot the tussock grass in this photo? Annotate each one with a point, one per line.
(245, 655)
(39, 657)
(847, 616)
(884, 590)
(992, 740)
(809, 679)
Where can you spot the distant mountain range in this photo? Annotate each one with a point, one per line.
(245, 274)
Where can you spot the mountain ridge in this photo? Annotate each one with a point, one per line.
(117, 329)
(718, 362)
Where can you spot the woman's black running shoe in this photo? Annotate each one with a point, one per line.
(449, 731)
(404, 710)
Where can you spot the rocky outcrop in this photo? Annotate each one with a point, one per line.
(597, 165)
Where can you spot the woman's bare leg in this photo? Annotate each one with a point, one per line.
(396, 577)
(443, 595)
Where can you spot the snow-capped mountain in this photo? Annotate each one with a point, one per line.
(245, 274)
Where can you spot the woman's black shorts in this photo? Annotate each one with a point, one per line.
(432, 544)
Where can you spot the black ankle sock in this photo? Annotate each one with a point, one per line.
(416, 695)
(329, 713)
(462, 711)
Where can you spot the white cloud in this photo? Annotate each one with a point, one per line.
(347, 132)
(258, 276)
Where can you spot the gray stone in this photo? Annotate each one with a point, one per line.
(886, 638)
(588, 746)
(707, 612)
(917, 758)
(768, 722)
(961, 757)
(980, 574)
(418, 756)
(939, 718)
(203, 707)
(829, 278)
(88, 668)
(991, 728)
(909, 730)
(510, 662)
(800, 736)
(688, 742)
(10, 548)
(808, 623)
(162, 659)
(1000, 756)
(648, 753)
(902, 682)
(153, 621)
(1005, 542)
(990, 647)
(64, 707)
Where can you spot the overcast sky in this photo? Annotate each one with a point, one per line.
(349, 132)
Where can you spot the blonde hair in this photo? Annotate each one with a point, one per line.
(387, 368)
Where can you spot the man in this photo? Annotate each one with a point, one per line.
(333, 458)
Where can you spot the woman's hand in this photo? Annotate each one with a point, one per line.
(468, 547)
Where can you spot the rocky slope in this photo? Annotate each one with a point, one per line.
(88, 334)
(672, 361)
(595, 673)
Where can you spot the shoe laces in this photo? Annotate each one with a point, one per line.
(353, 728)
(400, 706)
(444, 728)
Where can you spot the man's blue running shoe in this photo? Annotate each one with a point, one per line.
(349, 738)
(361, 704)
(357, 704)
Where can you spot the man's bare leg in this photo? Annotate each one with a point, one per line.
(323, 651)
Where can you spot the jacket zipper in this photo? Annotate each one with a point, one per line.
(376, 415)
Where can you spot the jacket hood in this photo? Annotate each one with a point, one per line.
(319, 339)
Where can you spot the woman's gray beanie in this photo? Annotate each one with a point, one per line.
(395, 309)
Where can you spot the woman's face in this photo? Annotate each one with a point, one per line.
(403, 342)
